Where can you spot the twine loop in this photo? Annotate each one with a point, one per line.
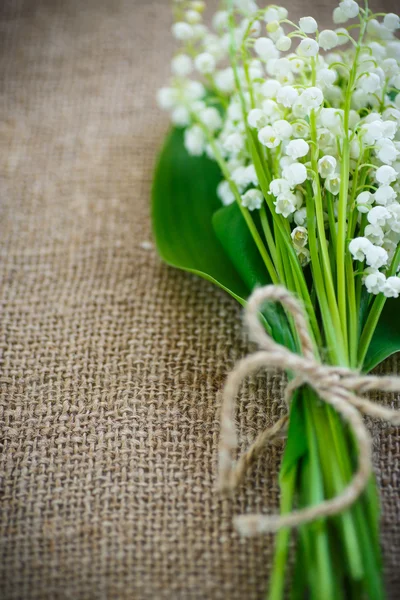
(339, 387)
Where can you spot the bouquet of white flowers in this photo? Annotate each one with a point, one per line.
(284, 168)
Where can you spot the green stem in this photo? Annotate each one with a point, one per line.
(332, 220)
(248, 80)
(323, 585)
(359, 271)
(325, 266)
(333, 348)
(245, 213)
(343, 192)
(279, 252)
(281, 225)
(337, 471)
(356, 178)
(342, 217)
(353, 321)
(264, 177)
(278, 573)
(363, 551)
(270, 240)
(325, 262)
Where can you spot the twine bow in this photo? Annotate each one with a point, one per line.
(339, 387)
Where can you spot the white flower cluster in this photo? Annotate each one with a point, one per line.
(308, 97)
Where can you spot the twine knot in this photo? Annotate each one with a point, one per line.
(339, 387)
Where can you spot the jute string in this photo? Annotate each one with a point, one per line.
(338, 387)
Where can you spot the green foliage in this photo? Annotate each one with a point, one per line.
(194, 233)
(386, 338)
(184, 201)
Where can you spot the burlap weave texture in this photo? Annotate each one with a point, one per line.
(111, 363)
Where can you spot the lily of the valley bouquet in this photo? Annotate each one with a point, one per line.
(280, 181)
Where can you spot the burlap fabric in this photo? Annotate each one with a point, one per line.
(111, 363)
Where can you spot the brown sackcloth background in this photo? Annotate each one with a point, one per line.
(110, 361)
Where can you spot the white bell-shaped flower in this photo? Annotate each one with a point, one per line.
(332, 183)
(252, 199)
(283, 43)
(205, 63)
(268, 137)
(270, 88)
(364, 202)
(391, 21)
(182, 31)
(279, 186)
(257, 118)
(308, 25)
(384, 195)
(286, 204)
(295, 174)
(385, 175)
(265, 48)
(376, 257)
(378, 215)
(299, 236)
(287, 96)
(374, 281)
(350, 8)
(328, 39)
(307, 48)
(358, 248)
(225, 193)
(326, 166)
(195, 140)
(297, 148)
(182, 65)
(391, 289)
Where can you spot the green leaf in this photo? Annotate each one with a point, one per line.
(231, 230)
(184, 200)
(194, 233)
(296, 444)
(386, 339)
